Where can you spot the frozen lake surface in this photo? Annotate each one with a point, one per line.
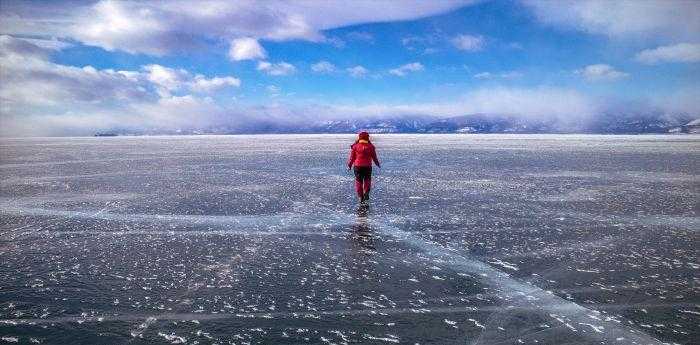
(469, 239)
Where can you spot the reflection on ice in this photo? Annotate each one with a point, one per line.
(361, 234)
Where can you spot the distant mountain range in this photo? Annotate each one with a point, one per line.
(475, 123)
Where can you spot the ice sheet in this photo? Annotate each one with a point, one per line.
(257, 239)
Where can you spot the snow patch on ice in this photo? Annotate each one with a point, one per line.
(172, 338)
(389, 338)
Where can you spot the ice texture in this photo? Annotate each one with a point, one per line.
(480, 239)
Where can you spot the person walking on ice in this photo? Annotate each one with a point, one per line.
(362, 154)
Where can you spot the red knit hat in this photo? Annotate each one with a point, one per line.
(363, 135)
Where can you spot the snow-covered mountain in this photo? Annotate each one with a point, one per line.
(494, 123)
(692, 127)
(474, 123)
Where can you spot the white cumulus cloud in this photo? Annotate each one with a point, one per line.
(323, 67)
(601, 72)
(403, 70)
(201, 84)
(682, 52)
(357, 71)
(276, 69)
(468, 42)
(246, 48)
(168, 80)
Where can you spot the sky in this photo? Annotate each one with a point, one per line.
(77, 67)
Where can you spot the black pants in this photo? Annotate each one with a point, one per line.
(363, 181)
(363, 173)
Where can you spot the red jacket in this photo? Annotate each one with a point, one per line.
(362, 155)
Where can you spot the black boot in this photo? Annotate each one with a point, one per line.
(365, 197)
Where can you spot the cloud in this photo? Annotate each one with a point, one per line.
(204, 85)
(276, 69)
(511, 75)
(468, 42)
(323, 67)
(414, 42)
(540, 102)
(168, 80)
(357, 71)
(502, 75)
(683, 101)
(30, 79)
(334, 41)
(668, 19)
(403, 70)
(50, 44)
(40, 97)
(116, 25)
(246, 48)
(682, 52)
(601, 72)
(162, 27)
(18, 47)
(48, 98)
(187, 111)
(566, 108)
(533, 102)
